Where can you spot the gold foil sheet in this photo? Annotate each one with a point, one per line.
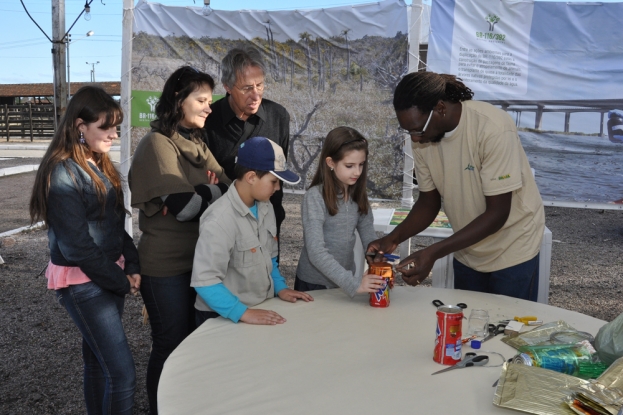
(534, 390)
(544, 392)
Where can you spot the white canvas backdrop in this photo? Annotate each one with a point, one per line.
(554, 66)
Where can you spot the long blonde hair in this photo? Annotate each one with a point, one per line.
(340, 141)
(90, 104)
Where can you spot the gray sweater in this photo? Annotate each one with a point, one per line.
(327, 257)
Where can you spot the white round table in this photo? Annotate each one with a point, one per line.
(338, 355)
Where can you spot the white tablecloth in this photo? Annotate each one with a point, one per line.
(341, 356)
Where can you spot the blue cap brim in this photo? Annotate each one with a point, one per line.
(287, 176)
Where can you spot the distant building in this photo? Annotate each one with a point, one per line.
(11, 94)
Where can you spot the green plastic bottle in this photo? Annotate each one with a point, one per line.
(571, 359)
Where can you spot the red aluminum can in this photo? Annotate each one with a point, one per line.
(448, 341)
(380, 298)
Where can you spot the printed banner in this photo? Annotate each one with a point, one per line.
(328, 67)
(556, 68)
(144, 107)
(490, 45)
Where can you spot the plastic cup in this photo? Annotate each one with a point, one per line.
(478, 323)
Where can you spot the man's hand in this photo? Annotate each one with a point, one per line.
(135, 283)
(416, 267)
(262, 317)
(376, 249)
(371, 283)
(290, 295)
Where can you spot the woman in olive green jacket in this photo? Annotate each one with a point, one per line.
(173, 178)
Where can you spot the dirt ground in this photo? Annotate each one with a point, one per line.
(41, 367)
(15, 196)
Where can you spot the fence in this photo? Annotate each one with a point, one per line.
(27, 121)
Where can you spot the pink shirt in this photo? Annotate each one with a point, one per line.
(62, 277)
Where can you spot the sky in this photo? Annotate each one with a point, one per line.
(25, 52)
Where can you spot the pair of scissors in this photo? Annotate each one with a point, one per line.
(471, 359)
(438, 303)
(494, 331)
(390, 257)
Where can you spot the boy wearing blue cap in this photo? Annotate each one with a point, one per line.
(235, 265)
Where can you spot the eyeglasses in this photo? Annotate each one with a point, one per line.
(417, 133)
(249, 88)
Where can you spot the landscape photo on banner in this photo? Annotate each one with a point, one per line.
(328, 67)
(556, 68)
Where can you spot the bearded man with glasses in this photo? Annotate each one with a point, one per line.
(244, 114)
(468, 154)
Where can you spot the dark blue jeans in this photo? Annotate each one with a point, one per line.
(201, 316)
(300, 285)
(519, 281)
(109, 373)
(170, 303)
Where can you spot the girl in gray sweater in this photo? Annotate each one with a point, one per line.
(335, 205)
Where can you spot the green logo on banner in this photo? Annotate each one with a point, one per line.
(144, 106)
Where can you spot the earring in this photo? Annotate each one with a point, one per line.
(82, 140)
(331, 168)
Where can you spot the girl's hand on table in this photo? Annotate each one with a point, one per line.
(290, 295)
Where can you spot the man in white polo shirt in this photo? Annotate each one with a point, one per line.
(468, 155)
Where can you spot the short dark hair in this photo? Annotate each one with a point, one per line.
(177, 88)
(240, 171)
(425, 89)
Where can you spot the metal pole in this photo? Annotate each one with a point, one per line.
(68, 68)
(414, 20)
(126, 105)
(93, 70)
(58, 57)
(30, 118)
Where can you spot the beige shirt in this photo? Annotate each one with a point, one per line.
(483, 157)
(161, 166)
(236, 249)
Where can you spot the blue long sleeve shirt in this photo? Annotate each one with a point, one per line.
(224, 302)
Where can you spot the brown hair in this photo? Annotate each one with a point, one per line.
(183, 82)
(338, 143)
(90, 104)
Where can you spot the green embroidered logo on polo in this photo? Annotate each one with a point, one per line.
(469, 167)
(507, 176)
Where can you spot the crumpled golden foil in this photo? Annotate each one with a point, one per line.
(534, 390)
(544, 392)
